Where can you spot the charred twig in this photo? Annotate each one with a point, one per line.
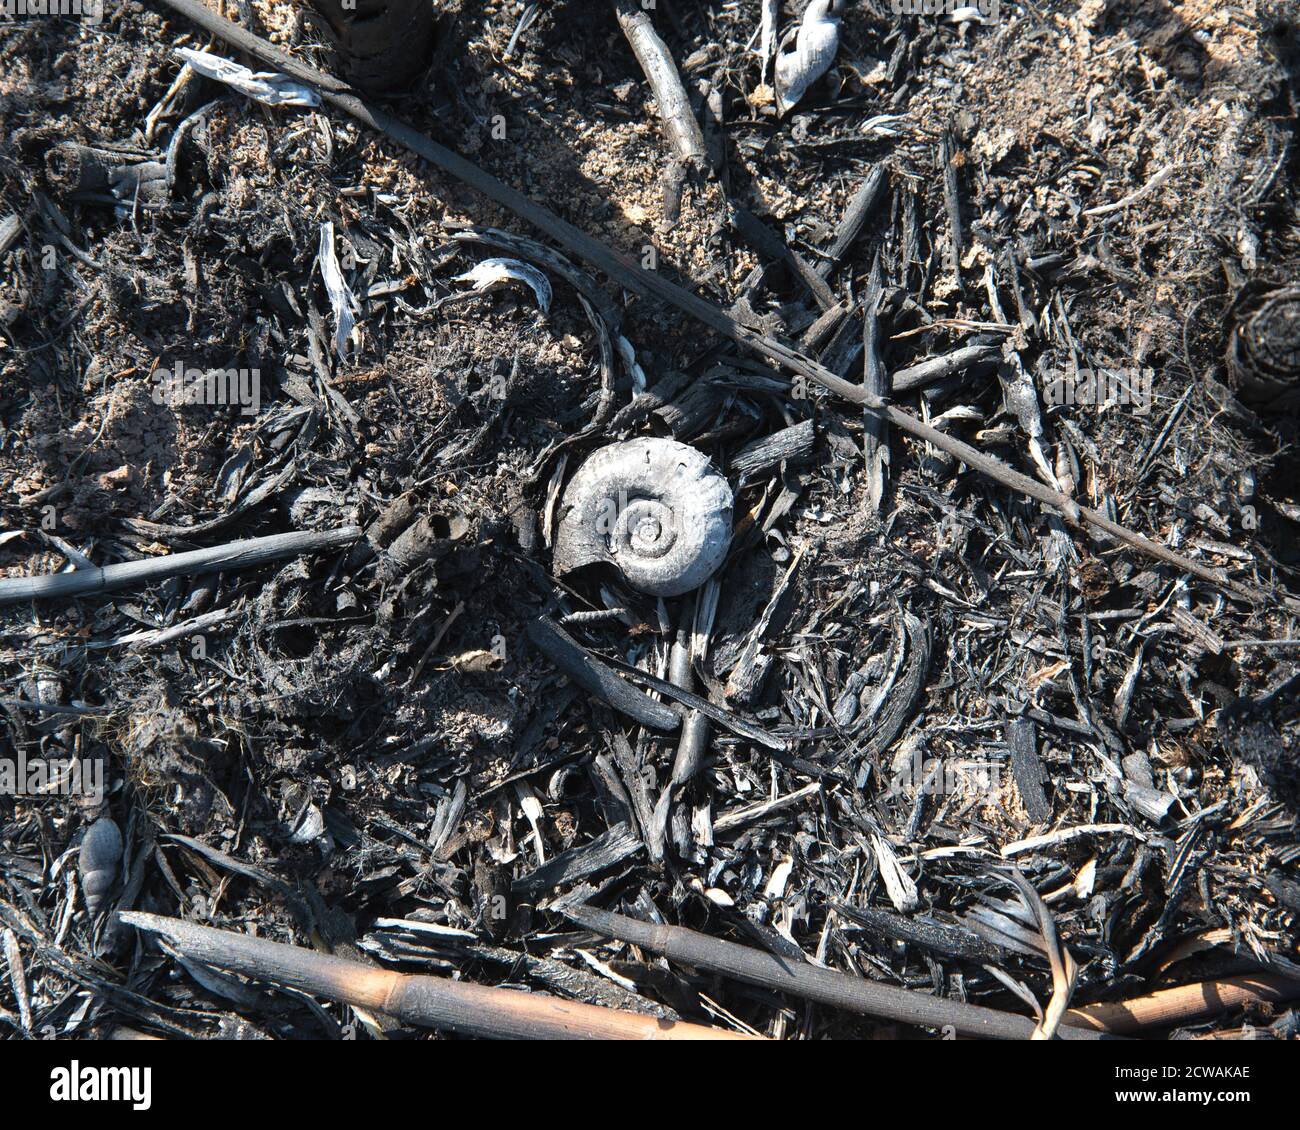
(952, 199)
(647, 282)
(436, 1002)
(159, 636)
(526, 19)
(52, 707)
(875, 380)
(840, 990)
(680, 125)
(683, 131)
(739, 818)
(772, 245)
(855, 217)
(233, 555)
(949, 940)
(597, 678)
(1133, 197)
(726, 718)
(824, 328)
(935, 369)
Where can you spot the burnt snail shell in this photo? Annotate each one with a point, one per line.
(655, 509)
(1264, 349)
(101, 851)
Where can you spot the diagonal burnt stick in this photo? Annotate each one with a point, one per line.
(126, 574)
(434, 1002)
(828, 986)
(596, 677)
(649, 283)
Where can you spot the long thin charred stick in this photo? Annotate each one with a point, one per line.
(434, 1002)
(125, 574)
(646, 282)
(840, 990)
(875, 432)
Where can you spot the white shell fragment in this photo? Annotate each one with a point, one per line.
(655, 509)
(264, 86)
(815, 46)
(492, 273)
(343, 302)
(768, 33)
(628, 356)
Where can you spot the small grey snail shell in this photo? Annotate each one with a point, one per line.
(101, 851)
(655, 509)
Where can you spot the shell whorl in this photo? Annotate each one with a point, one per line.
(653, 508)
(101, 851)
(1264, 350)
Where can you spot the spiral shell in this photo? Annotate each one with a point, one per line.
(101, 851)
(655, 509)
(1264, 350)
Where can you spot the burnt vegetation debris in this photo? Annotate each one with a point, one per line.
(925, 748)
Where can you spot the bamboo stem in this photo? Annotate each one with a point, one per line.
(435, 1002)
(1185, 1004)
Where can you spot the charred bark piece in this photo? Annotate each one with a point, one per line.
(73, 169)
(603, 852)
(790, 445)
(382, 45)
(1027, 769)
